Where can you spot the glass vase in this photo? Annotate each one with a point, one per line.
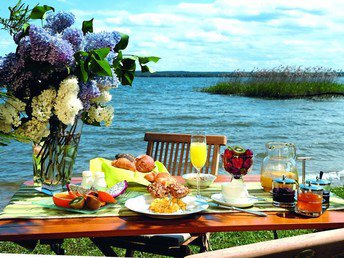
(54, 157)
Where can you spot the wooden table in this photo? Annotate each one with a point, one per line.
(20, 229)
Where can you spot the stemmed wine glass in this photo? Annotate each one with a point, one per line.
(198, 156)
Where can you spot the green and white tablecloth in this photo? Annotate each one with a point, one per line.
(24, 205)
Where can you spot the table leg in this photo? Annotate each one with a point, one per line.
(55, 245)
(104, 247)
(275, 234)
(28, 244)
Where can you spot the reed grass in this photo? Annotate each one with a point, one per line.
(282, 82)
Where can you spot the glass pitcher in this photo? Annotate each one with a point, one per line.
(280, 160)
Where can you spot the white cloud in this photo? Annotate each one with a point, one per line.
(227, 35)
(242, 34)
(161, 39)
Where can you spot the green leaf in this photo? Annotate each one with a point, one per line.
(83, 71)
(87, 26)
(38, 12)
(127, 78)
(132, 57)
(102, 52)
(147, 59)
(100, 67)
(83, 53)
(119, 73)
(25, 27)
(146, 69)
(117, 61)
(123, 43)
(128, 64)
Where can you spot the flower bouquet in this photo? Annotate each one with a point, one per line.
(57, 80)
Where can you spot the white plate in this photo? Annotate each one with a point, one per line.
(240, 202)
(141, 204)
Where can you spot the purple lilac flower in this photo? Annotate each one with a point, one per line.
(59, 21)
(17, 36)
(23, 50)
(19, 81)
(101, 40)
(107, 82)
(88, 91)
(111, 56)
(73, 36)
(53, 49)
(40, 43)
(61, 52)
(9, 68)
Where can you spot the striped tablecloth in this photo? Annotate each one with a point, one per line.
(27, 203)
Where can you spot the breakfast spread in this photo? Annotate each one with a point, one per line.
(176, 190)
(237, 160)
(167, 193)
(167, 205)
(142, 163)
(80, 198)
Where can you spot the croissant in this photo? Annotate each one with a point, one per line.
(124, 163)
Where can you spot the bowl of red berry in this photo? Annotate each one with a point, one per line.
(237, 161)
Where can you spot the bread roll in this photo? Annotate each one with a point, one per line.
(151, 176)
(144, 163)
(124, 163)
(164, 178)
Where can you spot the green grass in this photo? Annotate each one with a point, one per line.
(277, 89)
(84, 247)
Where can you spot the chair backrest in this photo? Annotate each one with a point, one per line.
(173, 150)
(322, 244)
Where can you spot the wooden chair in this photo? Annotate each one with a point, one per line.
(172, 150)
(322, 244)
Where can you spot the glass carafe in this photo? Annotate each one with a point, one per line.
(280, 160)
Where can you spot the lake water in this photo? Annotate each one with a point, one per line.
(315, 126)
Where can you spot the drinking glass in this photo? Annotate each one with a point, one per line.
(198, 156)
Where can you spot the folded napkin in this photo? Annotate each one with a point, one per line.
(114, 175)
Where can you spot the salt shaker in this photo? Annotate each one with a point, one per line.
(283, 192)
(326, 185)
(87, 179)
(99, 180)
(309, 200)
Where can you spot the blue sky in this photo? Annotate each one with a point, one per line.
(217, 35)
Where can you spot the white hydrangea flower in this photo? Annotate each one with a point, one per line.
(9, 114)
(34, 130)
(67, 104)
(6, 128)
(104, 97)
(101, 114)
(42, 105)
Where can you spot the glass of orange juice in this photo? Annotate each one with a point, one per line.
(198, 156)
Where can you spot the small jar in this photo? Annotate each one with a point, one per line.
(283, 192)
(99, 180)
(309, 200)
(87, 179)
(326, 185)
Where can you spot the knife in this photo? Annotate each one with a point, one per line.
(258, 213)
(210, 202)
